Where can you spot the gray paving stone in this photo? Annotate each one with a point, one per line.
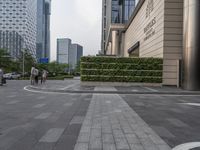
(81, 146)
(108, 138)
(122, 144)
(95, 144)
(107, 146)
(136, 147)
(77, 120)
(132, 139)
(112, 124)
(84, 138)
(52, 135)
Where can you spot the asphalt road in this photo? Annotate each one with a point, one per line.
(176, 119)
(52, 121)
(36, 121)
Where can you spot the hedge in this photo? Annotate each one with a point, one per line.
(113, 69)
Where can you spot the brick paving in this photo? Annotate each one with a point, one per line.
(110, 124)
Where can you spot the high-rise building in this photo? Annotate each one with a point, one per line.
(68, 53)
(43, 28)
(18, 26)
(63, 46)
(75, 53)
(114, 14)
(163, 29)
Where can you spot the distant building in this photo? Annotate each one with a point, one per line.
(43, 28)
(18, 26)
(68, 53)
(63, 47)
(75, 53)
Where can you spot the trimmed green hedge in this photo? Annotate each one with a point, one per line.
(113, 69)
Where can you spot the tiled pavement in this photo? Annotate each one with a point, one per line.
(110, 124)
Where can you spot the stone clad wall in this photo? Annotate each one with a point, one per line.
(158, 26)
(173, 40)
(147, 27)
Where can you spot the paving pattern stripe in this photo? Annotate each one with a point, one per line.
(52, 135)
(43, 116)
(115, 125)
(39, 106)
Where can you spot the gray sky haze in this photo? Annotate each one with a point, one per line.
(79, 20)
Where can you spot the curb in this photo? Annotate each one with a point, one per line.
(113, 92)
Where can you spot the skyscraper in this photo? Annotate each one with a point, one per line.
(75, 53)
(63, 46)
(43, 28)
(68, 53)
(114, 12)
(18, 26)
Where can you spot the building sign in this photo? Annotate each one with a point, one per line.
(44, 60)
(149, 30)
(150, 8)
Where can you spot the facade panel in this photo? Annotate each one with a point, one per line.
(19, 18)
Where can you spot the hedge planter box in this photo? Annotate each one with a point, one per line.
(113, 69)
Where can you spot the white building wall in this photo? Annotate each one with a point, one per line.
(20, 16)
(159, 29)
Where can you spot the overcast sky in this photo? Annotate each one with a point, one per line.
(79, 20)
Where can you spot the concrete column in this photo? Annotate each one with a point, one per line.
(115, 42)
(191, 45)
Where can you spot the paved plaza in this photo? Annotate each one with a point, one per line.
(63, 115)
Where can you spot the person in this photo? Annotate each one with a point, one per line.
(1, 76)
(32, 78)
(44, 76)
(36, 75)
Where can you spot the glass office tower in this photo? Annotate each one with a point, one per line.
(43, 28)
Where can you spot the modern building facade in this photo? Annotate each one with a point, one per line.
(43, 29)
(75, 53)
(63, 47)
(167, 29)
(68, 53)
(18, 26)
(115, 12)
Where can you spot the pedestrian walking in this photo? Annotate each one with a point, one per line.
(44, 76)
(36, 75)
(1, 76)
(32, 78)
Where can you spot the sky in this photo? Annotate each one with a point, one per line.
(79, 20)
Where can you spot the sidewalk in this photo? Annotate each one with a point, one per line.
(110, 124)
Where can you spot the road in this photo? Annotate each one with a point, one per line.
(26, 118)
(67, 121)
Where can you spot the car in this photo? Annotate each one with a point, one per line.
(11, 76)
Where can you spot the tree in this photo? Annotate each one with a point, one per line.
(28, 60)
(5, 60)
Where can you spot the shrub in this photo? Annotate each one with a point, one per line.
(113, 69)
